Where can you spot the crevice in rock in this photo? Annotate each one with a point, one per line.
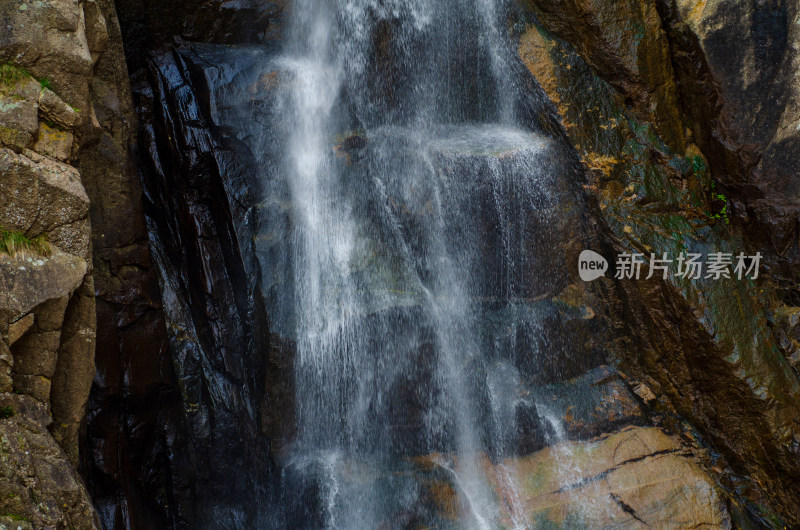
(627, 508)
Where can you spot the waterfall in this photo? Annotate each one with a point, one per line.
(420, 194)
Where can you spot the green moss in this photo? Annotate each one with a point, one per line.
(6, 412)
(45, 83)
(768, 518)
(698, 164)
(8, 135)
(13, 242)
(54, 125)
(638, 30)
(10, 75)
(16, 517)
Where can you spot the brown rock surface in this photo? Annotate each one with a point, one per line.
(53, 142)
(74, 370)
(18, 119)
(47, 37)
(634, 478)
(706, 349)
(47, 198)
(6, 363)
(54, 108)
(624, 42)
(18, 328)
(47, 313)
(38, 486)
(25, 283)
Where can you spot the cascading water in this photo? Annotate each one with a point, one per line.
(421, 198)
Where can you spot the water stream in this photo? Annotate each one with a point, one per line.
(420, 198)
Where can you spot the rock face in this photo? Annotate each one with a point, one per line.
(145, 442)
(755, 91)
(49, 39)
(634, 478)
(668, 120)
(38, 488)
(48, 198)
(642, 103)
(47, 310)
(200, 199)
(133, 406)
(62, 142)
(685, 114)
(147, 25)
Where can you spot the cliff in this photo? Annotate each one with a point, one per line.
(66, 125)
(144, 378)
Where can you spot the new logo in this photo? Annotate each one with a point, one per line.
(591, 265)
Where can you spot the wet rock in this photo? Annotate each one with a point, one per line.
(755, 94)
(636, 477)
(528, 435)
(133, 413)
(625, 44)
(147, 26)
(656, 197)
(592, 404)
(203, 251)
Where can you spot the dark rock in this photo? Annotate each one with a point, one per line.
(529, 435)
(592, 404)
(146, 25)
(199, 194)
(133, 415)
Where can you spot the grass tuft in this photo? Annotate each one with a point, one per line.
(6, 412)
(13, 243)
(10, 75)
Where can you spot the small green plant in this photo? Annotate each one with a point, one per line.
(10, 75)
(6, 412)
(12, 243)
(45, 83)
(723, 213)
